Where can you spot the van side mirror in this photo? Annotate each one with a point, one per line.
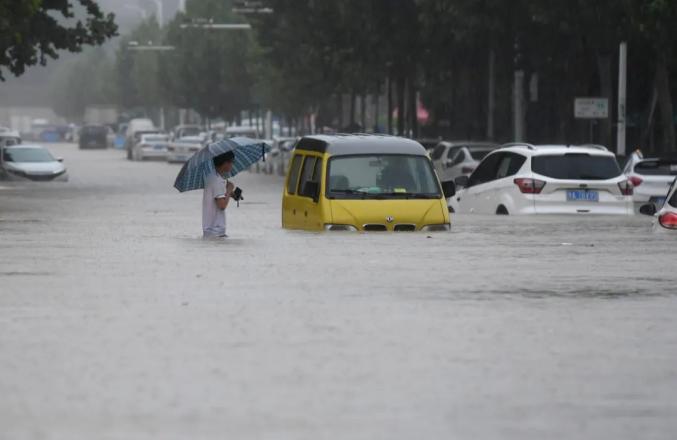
(449, 189)
(648, 209)
(462, 181)
(312, 190)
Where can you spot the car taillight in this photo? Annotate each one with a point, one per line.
(636, 181)
(467, 170)
(530, 186)
(626, 187)
(668, 220)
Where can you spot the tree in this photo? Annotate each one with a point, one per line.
(30, 32)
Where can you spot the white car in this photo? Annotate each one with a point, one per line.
(151, 146)
(521, 179)
(652, 178)
(183, 149)
(31, 162)
(666, 216)
(454, 159)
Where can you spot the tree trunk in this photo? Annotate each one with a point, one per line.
(665, 103)
(400, 105)
(413, 109)
(389, 85)
(606, 88)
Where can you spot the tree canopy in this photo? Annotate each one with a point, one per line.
(31, 31)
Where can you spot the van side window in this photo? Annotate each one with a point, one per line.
(294, 174)
(307, 174)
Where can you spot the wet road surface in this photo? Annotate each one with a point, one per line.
(118, 322)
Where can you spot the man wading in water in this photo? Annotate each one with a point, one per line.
(217, 194)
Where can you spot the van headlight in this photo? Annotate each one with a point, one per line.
(436, 228)
(340, 228)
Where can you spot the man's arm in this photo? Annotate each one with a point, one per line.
(222, 202)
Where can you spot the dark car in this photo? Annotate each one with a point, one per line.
(93, 136)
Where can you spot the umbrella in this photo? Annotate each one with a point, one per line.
(194, 172)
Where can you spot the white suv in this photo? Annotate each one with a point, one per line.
(523, 179)
(652, 178)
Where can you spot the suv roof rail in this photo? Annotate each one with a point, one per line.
(595, 146)
(518, 144)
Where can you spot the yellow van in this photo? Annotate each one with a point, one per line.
(363, 183)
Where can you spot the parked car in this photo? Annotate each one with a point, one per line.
(652, 178)
(134, 128)
(182, 131)
(527, 179)
(151, 146)
(183, 149)
(453, 159)
(31, 162)
(277, 159)
(93, 136)
(363, 183)
(666, 216)
(9, 138)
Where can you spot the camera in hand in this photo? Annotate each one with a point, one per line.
(237, 195)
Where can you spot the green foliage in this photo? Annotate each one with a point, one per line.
(31, 31)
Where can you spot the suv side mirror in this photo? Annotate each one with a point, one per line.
(312, 190)
(449, 189)
(462, 181)
(649, 209)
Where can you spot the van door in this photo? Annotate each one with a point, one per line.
(292, 217)
(308, 202)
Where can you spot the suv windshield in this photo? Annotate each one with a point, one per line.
(27, 155)
(576, 167)
(657, 168)
(381, 176)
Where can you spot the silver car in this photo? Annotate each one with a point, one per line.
(31, 162)
(454, 159)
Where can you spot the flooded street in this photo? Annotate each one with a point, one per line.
(118, 322)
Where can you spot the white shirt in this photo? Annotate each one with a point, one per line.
(213, 218)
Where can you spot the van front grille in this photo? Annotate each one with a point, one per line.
(375, 228)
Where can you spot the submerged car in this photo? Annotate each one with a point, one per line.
(454, 159)
(32, 162)
(666, 216)
(151, 146)
(183, 149)
(523, 179)
(652, 178)
(363, 183)
(93, 136)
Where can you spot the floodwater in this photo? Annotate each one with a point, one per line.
(118, 322)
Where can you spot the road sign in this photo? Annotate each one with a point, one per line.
(591, 108)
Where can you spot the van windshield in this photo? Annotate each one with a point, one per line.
(381, 177)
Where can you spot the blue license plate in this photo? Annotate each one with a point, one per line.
(582, 196)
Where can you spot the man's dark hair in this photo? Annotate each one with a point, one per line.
(223, 158)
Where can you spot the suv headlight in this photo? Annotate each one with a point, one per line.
(340, 228)
(436, 228)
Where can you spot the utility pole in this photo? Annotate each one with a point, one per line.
(491, 104)
(622, 99)
(518, 96)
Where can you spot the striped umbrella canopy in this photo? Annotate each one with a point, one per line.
(194, 172)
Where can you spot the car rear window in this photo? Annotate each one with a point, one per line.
(576, 167)
(656, 168)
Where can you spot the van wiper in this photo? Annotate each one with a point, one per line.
(350, 192)
(411, 195)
